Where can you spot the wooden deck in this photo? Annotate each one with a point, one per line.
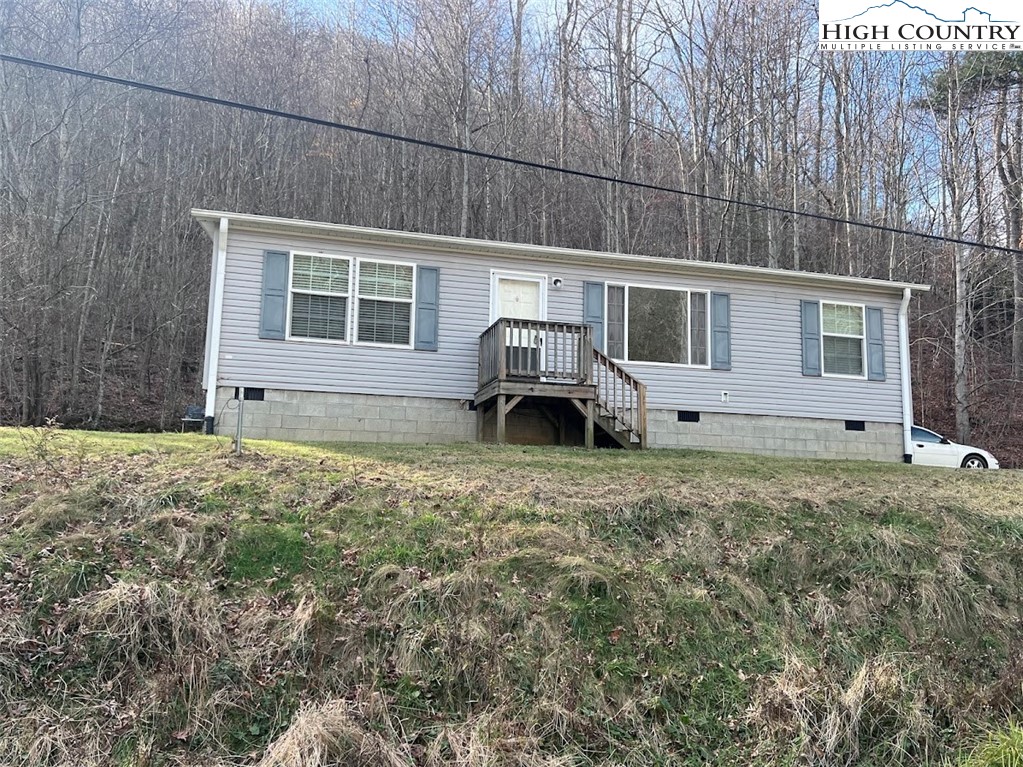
(540, 362)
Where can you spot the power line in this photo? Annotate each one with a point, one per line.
(487, 155)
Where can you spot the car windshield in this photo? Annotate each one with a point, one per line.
(925, 435)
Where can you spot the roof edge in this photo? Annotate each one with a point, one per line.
(371, 235)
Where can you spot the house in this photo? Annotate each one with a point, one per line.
(346, 333)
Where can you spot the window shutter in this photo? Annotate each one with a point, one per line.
(811, 338)
(593, 311)
(427, 306)
(875, 343)
(272, 320)
(720, 331)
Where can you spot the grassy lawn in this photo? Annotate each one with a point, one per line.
(167, 603)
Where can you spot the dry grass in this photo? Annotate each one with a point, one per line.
(311, 608)
(142, 623)
(44, 514)
(830, 718)
(489, 740)
(334, 733)
(473, 607)
(15, 635)
(185, 533)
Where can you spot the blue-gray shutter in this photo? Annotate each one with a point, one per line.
(272, 319)
(427, 307)
(811, 338)
(875, 343)
(593, 311)
(720, 331)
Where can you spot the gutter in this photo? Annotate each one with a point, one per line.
(216, 315)
(904, 370)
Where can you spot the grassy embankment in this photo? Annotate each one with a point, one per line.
(164, 603)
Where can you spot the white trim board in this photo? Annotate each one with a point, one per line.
(216, 316)
(499, 274)
(862, 337)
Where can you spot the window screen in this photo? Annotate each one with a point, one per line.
(319, 297)
(314, 316)
(320, 274)
(842, 339)
(381, 280)
(384, 322)
(385, 303)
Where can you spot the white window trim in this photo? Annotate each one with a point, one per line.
(410, 301)
(541, 279)
(689, 317)
(291, 292)
(863, 340)
(352, 314)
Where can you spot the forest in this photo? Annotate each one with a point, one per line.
(103, 275)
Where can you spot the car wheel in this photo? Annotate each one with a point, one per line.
(974, 461)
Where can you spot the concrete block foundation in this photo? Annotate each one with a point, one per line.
(338, 417)
(776, 435)
(335, 417)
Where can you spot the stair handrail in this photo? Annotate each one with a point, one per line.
(621, 395)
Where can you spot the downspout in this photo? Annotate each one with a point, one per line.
(212, 232)
(904, 371)
(216, 315)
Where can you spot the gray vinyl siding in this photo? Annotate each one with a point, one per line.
(765, 379)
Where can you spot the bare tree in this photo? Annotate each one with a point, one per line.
(102, 275)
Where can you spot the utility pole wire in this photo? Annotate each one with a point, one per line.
(487, 155)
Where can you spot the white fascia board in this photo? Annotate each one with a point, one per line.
(216, 315)
(470, 247)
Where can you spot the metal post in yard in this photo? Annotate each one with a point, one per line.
(241, 414)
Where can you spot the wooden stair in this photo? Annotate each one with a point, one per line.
(620, 404)
(538, 361)
(617, 430)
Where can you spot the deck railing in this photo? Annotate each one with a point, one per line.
(561, 353)
(620, 395)
(555, 352)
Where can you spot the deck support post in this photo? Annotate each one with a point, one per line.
(589, 424)
(502, 412)
(481, 414)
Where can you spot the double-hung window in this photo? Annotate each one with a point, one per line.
(334, 298)
(385, 303)
(842, 339)
(646, 324)
(320, 289)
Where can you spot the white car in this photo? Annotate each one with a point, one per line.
(931, 449)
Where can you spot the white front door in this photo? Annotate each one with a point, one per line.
(518, 297)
